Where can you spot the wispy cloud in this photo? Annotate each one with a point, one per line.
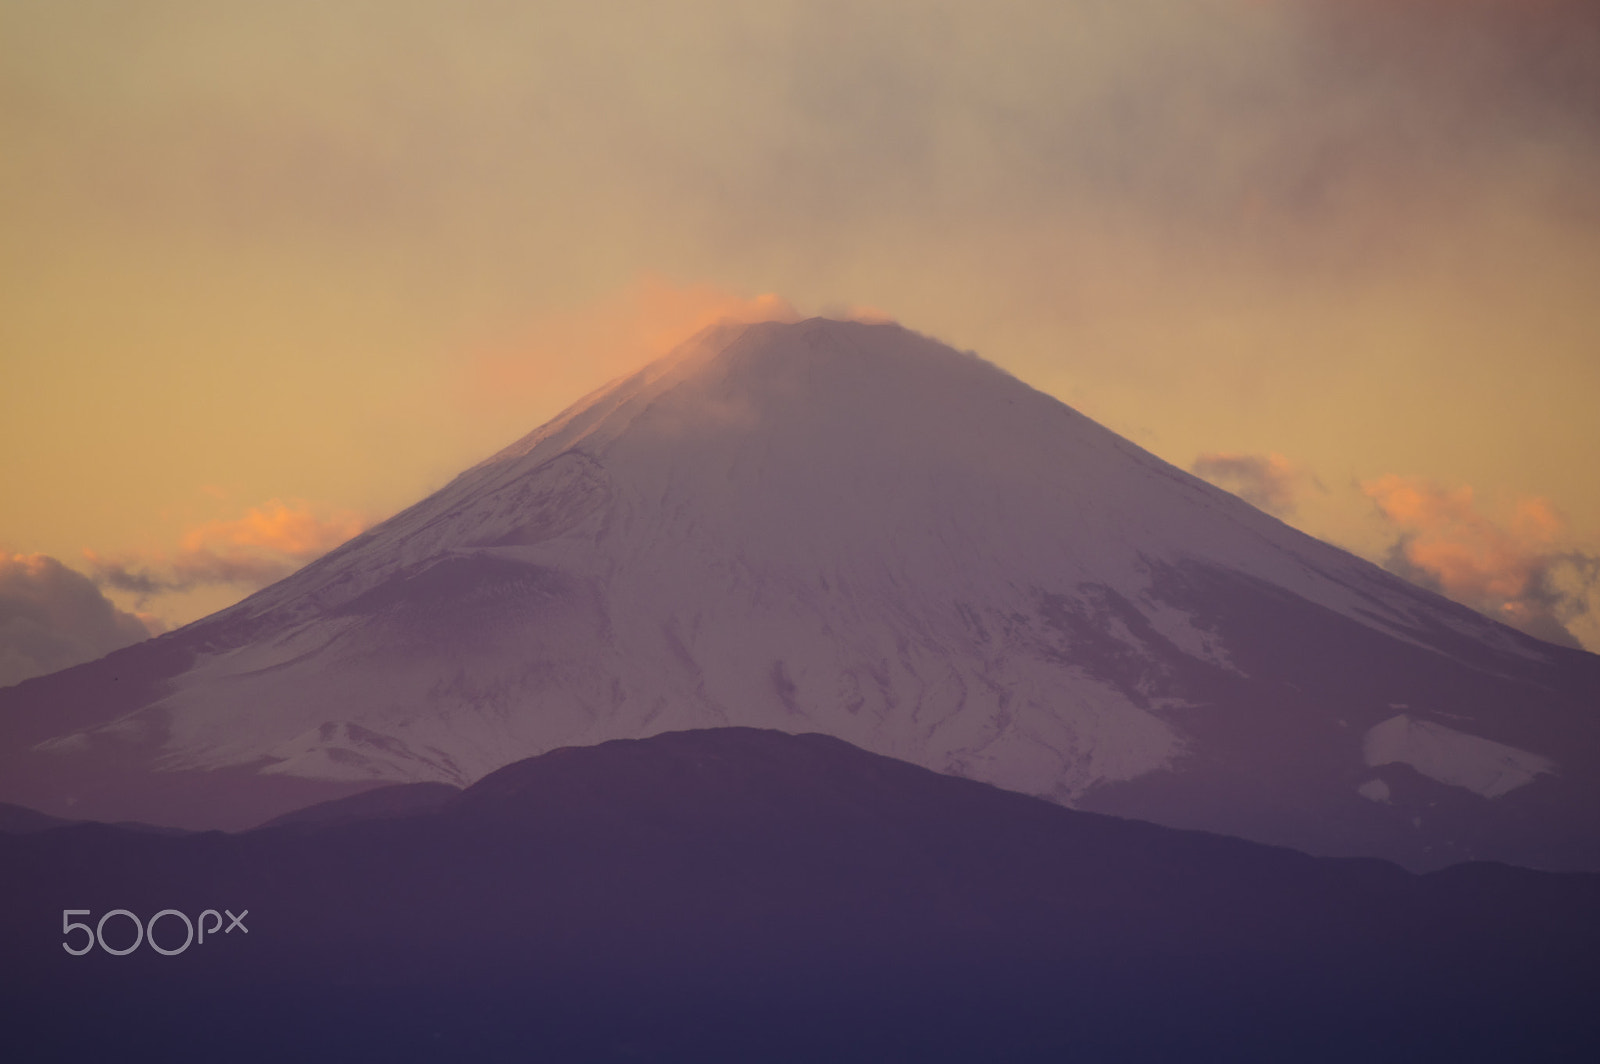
(1268, 481)
(1518, 568)
(52, 617)
(295, 531)
(264, 545)
(572, 350)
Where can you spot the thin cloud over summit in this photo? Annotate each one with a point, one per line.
(569, 351)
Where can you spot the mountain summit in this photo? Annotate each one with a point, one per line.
(852, 529)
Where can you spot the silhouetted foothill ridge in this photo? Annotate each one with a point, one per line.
(738, 894)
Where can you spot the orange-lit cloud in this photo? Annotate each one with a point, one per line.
(1268, 481)
(583, 347)
(1514, 568)
(52, 617)
(294, 531)
(264, 545)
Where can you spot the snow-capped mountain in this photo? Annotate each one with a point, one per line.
(850, 528)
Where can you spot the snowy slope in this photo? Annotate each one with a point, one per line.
(852, 529)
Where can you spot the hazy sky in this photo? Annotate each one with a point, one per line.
(270, 271)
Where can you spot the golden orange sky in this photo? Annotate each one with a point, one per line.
(286, 268)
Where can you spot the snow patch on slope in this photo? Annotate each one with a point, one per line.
(1451, 757)
(1374, 790)
(1184, 631)
(342, 750)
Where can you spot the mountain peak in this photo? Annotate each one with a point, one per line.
(731, 372)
